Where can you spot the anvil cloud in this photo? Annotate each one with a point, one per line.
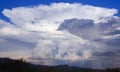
(62, 33)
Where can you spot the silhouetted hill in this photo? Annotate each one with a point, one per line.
(9, 65)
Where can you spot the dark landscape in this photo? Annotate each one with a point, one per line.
(9, 65)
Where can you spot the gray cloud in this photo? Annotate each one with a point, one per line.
(61, 33)
(103, 36)
(82, 27)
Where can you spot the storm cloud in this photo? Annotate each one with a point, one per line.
(62, 33)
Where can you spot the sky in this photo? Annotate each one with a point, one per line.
(16, 3)
(83, 33)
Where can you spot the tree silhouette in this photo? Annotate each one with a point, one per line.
(8, 65)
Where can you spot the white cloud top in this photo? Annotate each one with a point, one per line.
(60, 31)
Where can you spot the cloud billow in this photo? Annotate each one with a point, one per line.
(63, 32)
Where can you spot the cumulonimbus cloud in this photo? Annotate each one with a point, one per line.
(64, 31)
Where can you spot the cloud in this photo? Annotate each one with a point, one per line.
(82, 27)
(12, 54)
(66, 47)
(61, 33)
(57, 12)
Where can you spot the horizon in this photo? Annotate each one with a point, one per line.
(80, 33)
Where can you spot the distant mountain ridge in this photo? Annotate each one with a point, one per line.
(9, 65)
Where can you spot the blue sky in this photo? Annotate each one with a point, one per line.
(17, 3)
(53, 32)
